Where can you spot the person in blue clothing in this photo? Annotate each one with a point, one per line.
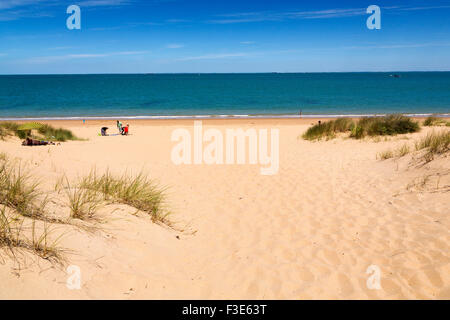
(120, 127)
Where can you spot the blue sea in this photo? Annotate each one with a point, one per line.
(150, 95)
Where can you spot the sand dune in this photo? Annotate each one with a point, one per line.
(308, 232)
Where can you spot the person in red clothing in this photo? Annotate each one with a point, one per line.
(125, 130)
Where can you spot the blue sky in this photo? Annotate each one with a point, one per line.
(132, 36)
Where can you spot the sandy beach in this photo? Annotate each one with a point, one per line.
(310, 231)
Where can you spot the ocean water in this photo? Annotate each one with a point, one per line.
(223, 94)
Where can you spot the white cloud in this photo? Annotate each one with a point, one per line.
(102, 3)
(246, 17)
(48, 59)
(401, 46)
(214, 56)
(422, 8)
(280, 16)
(10, 4)
(247, 42)
(17, 9)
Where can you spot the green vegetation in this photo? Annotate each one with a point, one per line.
(367, 126)
(17, 189)
(35, 130)
(328, 129)
(12, 236)
(403, 150)
(83, 203)
(18, 197)
(382, 126)
(386, 155)
(435, 143)
(139, 192)
(53, 134)
(435, 121)
(20, 205)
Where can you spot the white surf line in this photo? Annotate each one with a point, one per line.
(236, 116)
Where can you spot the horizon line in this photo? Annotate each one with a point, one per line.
(259, 72)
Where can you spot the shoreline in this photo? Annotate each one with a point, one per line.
(219, 117)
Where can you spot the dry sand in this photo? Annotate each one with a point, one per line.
(308, 232)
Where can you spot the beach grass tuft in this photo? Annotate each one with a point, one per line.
(384, 126)
(18, 190)
(403, 150)
(328, 129)
(41, 131)
(367, 126)
(12, 236)
(388, 154)
(435, 121)
(435, 143)
(54, 134)
(10, 228)
(83, 203)
(43, 246)
(137, 191)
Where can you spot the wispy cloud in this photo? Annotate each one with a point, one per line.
(18, 9)
(60, 48)
(247, 42)
(401, 46)
(48, 59)
(11, 4)
(422, 8)
(11, 15)
(280, 16)
(177, 20)
(214, 56)
(103, 3)
(247, 17)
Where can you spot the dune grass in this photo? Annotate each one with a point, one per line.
(137, 191)
(54, 134)
(403, 150)
(18, 190)
(328, 129)
(83, 203)
(43, 246)
(399, 152)
(367, 126)
(12, 237)
(388, 154)
(9, 230)
(42, 131)
(435, 121)
(435, 143)
(384, 126)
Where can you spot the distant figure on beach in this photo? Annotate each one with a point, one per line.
(300, 113)
(119, 126)
(320, 122)
(103, 131)
(125, 130)
(33, 142)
